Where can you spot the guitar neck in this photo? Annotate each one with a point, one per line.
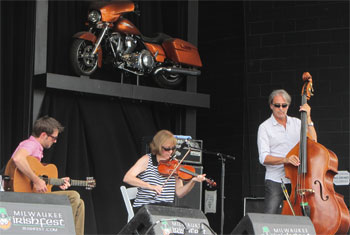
(79, 183)
(58, 182)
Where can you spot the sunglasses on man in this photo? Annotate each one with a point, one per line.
(279, 105)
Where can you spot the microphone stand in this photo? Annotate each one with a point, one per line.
(222, 192)
(222, 157)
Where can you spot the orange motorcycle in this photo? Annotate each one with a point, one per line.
(113, 38)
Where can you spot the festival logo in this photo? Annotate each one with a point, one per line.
(5, 220)
(266, 230)
(166, 229)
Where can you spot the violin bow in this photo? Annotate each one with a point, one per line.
(285, 192)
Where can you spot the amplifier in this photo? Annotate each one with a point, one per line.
(193, 199)
(195, 155)
(253, 204)
(152, 219)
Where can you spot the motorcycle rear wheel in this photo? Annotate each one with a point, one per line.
(83, 63)
(167, 80)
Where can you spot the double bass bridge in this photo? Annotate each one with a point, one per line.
(303, 192)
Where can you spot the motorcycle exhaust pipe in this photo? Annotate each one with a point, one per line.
(191, 72)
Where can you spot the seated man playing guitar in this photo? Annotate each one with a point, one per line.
(44, 135)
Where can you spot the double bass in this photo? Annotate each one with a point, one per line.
(312, 190)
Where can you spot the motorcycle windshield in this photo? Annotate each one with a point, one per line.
(110, 11)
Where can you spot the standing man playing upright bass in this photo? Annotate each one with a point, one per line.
(44, 135)
(276, 137)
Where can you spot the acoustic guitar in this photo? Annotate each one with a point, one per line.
(18, 182)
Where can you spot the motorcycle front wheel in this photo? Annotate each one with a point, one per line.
(81, 58)
(167, 80)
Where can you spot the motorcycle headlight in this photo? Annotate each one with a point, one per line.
(94, 16)
(147, 59)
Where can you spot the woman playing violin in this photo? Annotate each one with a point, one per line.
(154, 188)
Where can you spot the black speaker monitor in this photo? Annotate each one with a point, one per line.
(152, 219)
(258, 223)
(35, 213)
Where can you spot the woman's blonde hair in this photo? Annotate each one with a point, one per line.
(159, 139)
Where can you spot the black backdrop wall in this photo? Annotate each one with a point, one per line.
(16, 72)
(248, 49)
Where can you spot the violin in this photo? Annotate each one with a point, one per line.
(184, 172)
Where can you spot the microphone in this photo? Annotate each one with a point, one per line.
(177, 153)
(183, 139)
(183, 145)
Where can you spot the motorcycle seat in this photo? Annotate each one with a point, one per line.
(158, 39)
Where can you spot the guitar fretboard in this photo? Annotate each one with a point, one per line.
(58, 182)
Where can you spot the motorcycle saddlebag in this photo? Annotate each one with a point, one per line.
(182, 52)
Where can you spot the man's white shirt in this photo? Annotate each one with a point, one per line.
(277, 141)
